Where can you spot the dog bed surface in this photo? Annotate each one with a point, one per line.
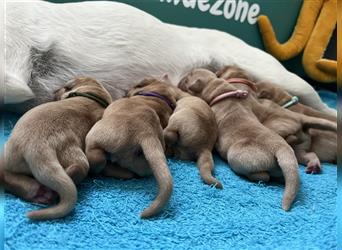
(243, 215)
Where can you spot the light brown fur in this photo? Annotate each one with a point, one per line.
(310, 145)
(321, 145)
(191, 135)
(131, 130)
(47, 143)
(251, 149)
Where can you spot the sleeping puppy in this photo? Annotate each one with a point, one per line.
(191, 135)
(48, 142)
(304, 136)
(311, 145)
(323, 146)
(131, 131)
(266, 90)
(251, 149)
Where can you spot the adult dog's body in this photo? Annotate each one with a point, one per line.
(48, 44)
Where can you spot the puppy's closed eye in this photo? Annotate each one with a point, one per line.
(144, 83)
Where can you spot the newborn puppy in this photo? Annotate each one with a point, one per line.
(266, 90)
(131, 131)
(251, 149)
(191, 135)
(311, 145)
(47, 143)
(304, 136)
(323, 144)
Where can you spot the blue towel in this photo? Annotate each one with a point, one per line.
(244, 215)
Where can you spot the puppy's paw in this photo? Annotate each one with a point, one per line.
(45, 195)
(218, 185)
(212, 181)
(313, 167)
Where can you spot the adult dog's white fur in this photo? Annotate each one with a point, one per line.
(48, 44)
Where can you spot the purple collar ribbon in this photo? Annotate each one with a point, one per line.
(155, 94)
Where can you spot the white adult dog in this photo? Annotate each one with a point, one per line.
(48, 44)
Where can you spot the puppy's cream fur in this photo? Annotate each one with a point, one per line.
(48, 142)
(321, 145)
(131, 130)
(287, 123)
(191, 134)
(251, 149)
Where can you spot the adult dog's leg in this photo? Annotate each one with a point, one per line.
(16, 89)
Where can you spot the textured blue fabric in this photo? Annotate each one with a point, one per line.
(243, 215)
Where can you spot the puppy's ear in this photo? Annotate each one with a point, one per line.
(197, 86)
(165, 78)
(70, 84)
(264, 94)
(144, 83)
(221, 71)
(183, 84)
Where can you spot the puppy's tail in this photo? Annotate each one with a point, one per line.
(154, 154)
(288, 163)
(205, 165)
(318, 123)
(53, 176)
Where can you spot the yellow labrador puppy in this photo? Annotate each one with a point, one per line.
(251, 149)
(47, 144)
(191, 135)
(131, 131)
(312, 145)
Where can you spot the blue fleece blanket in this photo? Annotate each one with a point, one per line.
(243, 215)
